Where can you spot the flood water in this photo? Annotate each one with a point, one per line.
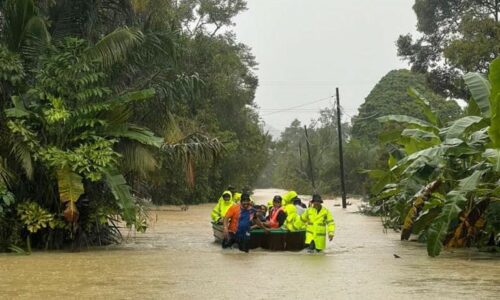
(177, 259)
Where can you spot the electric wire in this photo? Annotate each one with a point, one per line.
(297, 106)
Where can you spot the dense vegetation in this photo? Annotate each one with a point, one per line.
(442, 181)
(290, 166)
(455, 37)
(440, 176)
(433, 169)
(105, 104)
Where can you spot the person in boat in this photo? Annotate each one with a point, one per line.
(237, 224)
(260, 213)
(319, 221)
(236, 197)
(277, 215)
(220, 209)
(293, 222)
(301, 207)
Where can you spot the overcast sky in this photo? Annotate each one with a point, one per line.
(306, 48)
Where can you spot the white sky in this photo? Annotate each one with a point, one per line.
(307, 48)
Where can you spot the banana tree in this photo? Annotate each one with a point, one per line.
(462, 157)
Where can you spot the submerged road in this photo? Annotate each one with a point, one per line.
(177, 259)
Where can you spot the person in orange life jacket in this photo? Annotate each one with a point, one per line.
(277, 215)
(237, 223)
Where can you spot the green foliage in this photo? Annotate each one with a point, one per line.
(11, 67)
(479, 87)
(6, 199)
(35, 217)
(455, 37)
(392, 96)
(121, 191)
(494, 77)
(461, 157)
(117, 96)
(292, 171)
(23, 23)
(70, 189)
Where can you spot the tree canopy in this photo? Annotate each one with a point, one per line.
(108, 105)
(456, 37)
(390, 96)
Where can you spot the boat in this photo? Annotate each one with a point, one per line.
(273, 239)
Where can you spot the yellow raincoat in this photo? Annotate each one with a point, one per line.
(292, 222)
(221, 208)
(236, 197)
(318, 223)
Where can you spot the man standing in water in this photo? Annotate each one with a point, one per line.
(237, 223)
(319, 221)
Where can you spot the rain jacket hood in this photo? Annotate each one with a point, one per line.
(222, 206)
(288, 197)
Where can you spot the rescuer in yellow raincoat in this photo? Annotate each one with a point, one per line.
(220, 209)
(236, 197)
(319, 222)
(293, 221)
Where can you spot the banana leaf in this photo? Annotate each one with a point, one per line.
(493, 156)
(479, 87)
(424, 105)
(70, 189)
(463, 125)
(121, 191)
(472, 108)
(440, 225)
(470, 183)
(425, 219)
(411, 121)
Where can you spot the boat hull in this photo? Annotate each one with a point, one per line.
(274, 239)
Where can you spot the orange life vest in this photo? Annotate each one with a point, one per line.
(273, 219)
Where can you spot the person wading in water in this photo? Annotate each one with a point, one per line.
(237, 223)
(319, 221)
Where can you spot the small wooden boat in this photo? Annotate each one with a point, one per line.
(273, 239)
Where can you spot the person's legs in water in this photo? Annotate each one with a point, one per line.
(311, 248)
(243, 242)
(228, 243)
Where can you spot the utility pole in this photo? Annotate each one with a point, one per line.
(310, 160)
(341, 152)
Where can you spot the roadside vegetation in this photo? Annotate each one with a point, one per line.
(106, 106)
(427, 166)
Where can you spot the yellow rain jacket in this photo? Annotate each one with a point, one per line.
(222, 206)
(236, 197)
(288, 197)
(293, 221)
(318, 223)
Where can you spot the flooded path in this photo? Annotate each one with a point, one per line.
(177, 259)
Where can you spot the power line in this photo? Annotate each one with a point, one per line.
(297, 106)
(358, 118)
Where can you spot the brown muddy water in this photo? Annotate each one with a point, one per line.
(177, 259)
